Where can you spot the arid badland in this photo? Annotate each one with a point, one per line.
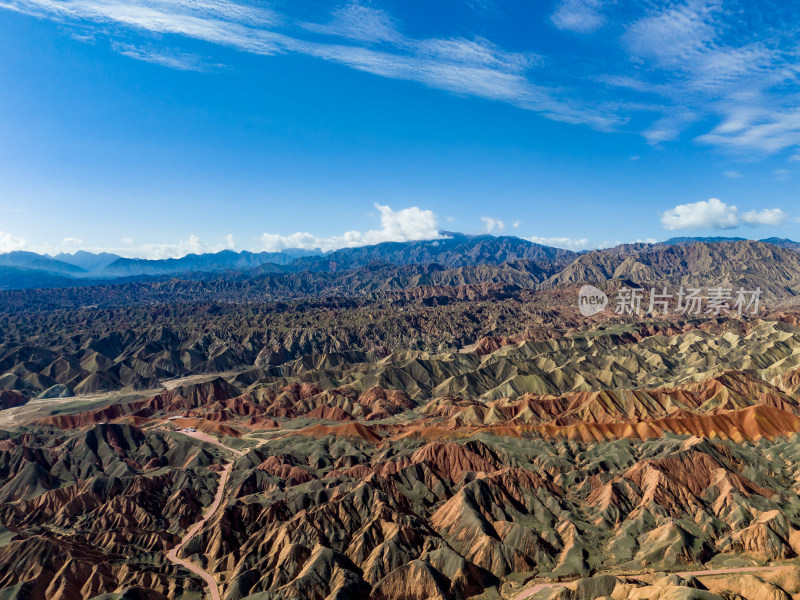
(409, 421)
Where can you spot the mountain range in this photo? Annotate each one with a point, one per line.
(440, 268)
(22, 269)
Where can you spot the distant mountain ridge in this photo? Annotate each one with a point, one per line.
(775, 241)
(536, 265)
(219, 261)
(88, 260)
(39, 262)
(455, 250)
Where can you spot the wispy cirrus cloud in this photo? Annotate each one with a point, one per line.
(727, 71)
(747, 126)
(359, 37)
(732, 61)
(172, 60)
(359, 22)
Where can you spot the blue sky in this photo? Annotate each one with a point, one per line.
(155, 128)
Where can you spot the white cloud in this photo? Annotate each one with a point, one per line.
(194, 245)
(768, 216)
(9, 243)
(710, 214)
(579, 16)
(516, 224)
(407, 224)
(450, 219)
(715, 214)
(781, 174)
(563, 242)
(153, 251)
(732, 174)
(492, 224)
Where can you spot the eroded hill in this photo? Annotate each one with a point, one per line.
(633, 447)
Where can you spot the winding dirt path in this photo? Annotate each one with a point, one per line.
(528, 592)
(172, 555)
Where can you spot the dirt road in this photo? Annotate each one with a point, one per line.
(172, 555)
(528, 592)
(210, 439)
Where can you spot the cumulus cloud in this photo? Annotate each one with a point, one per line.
(405, 225)
(9, 243)
(771, 216)
(493, 224)
(563, 242)
(516, 224)
(715, 214)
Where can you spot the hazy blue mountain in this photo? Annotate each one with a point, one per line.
(219, 261)
(31, 260)
(456, 250)
(88, 260)
(706, 240)
(20, 278)
(782, 242)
